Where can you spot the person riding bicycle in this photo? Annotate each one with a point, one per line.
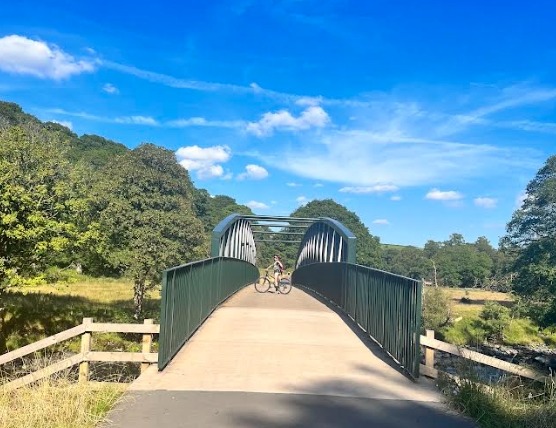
(278, 268)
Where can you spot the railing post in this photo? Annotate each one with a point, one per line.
(85, 347)
(429, 352)
(147, 343)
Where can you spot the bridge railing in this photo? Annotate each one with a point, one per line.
(189, 295)
(386, 306)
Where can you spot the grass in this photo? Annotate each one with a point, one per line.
(58, 404)
(467, 328)
(32, 313)
(508, 403)
(474, 300)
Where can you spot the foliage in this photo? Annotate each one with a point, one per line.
(94, 150)
(38, 222)
(451, 263)
(214, 209)
(367, 247)
(495, 318)
(468, 331)
(436, 308)
(407, 261)
(531, 240)
(143, 201)
(522, 331)
(28, 315)
(12, 114)
(503, 404)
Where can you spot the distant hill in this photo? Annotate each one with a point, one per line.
(92, 149)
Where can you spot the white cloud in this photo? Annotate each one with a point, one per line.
(312, 117)
(396, 198)
(137, 120)
(309, 101)
(147, 120)
(377, 188)
(254, 205)
(318, 185)
(65, 123)
(109, 88)
(485, 202)
(391, 154)
(202, 122)
(205, 161)
(21, 55)
(381, 221)
(253, 172)
(301, 200)
(292, 184)
(439, 195)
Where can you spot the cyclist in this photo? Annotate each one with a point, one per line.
(278, 268)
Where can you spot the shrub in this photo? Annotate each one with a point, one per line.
(495, 318)
(437, 308)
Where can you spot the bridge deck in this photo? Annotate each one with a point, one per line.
(280, 361)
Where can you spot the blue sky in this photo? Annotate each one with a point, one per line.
(425, 118)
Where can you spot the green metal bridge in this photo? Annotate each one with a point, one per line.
(341, 350)
(386, 306)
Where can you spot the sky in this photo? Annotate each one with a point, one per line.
(424, 118)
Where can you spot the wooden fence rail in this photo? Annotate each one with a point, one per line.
(431, 344)
(85, 330)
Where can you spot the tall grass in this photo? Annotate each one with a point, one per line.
(58, 403)
(506, 403)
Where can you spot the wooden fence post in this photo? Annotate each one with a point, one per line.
(147, 343)
(85, 347)
(429, 352)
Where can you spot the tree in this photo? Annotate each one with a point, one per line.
(531, 239)
(211, 210)
(407, 261)
(368, 251)
(35, 203)
(144, 201)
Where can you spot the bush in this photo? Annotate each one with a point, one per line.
(437, 308)
(55, 275)
(495, 318)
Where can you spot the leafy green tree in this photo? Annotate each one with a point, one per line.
(144, 204)
(212, 210)
(407, 261)
(367, 246)
(437, 308)
(531, 239)
(37, 221)
(495, 318)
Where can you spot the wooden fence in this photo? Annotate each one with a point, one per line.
(431, 344)
(85, 330)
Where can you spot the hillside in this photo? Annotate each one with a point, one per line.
(92, 149)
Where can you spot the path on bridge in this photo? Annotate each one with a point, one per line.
(267, 360)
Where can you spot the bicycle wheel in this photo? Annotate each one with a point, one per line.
(262, 285)
(285, 286)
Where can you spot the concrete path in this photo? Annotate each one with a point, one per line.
(280, 361)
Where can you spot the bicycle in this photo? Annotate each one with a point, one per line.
(264, 282)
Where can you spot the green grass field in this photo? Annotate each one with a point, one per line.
(32, 313)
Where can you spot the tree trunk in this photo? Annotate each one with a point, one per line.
(434, 267)
(138, 297)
